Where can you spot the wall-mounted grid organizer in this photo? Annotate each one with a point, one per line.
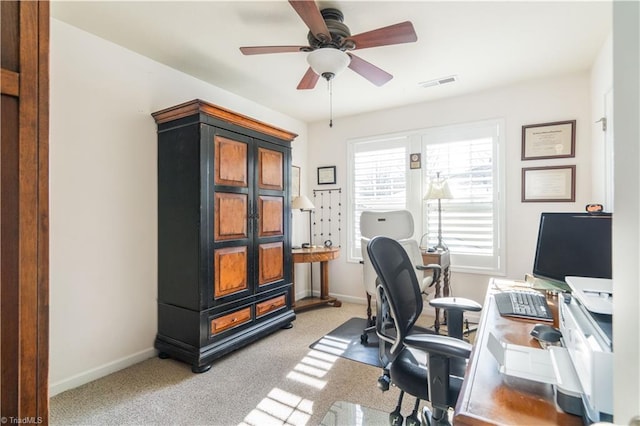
(327, 217)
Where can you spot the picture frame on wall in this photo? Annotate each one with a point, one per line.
(549, 140)
(327, 175)
(295, 182)
(549, 184)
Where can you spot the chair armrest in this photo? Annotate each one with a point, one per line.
(442, 345)
(459, 303)
(437, 270)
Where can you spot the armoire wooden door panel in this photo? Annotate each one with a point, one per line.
(271, 261)
(270, 169)
(230, 216)
(270, 216)
(230, 266)
(230, 162)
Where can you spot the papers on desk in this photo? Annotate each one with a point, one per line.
(552, 366)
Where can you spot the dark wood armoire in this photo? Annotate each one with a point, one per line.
(224, 246)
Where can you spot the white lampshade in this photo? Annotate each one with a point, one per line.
(302, 203)
(328, 61)
(438, 190)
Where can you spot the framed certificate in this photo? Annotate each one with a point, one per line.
(549, 140)
(326, 175)
(549, 184)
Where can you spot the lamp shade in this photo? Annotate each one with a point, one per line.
(438, 190)
(328, 61)
(302, 203)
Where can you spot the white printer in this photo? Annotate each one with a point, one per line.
(581, 369)
(585, 323)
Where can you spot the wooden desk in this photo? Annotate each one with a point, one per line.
(443, 259)
(488, 397)
(311, 255)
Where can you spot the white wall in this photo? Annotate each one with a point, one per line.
(103, 255)
(553, 99)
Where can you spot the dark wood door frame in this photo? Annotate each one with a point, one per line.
(24, 212)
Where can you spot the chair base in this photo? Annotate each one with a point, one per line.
(428, 418)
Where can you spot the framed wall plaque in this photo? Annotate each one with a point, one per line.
(549, 140)
(414, 161)
(549, 184)
(326, 175)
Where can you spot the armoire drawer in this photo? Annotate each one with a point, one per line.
(234, 319)
(270, 305)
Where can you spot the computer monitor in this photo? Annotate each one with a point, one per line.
(573, 244)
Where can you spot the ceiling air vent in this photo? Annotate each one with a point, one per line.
(439, 81)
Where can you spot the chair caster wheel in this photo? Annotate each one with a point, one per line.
(395, 418)
(384, 382)
(412, 420)
(426, 416)
(364, 338)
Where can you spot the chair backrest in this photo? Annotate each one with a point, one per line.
(398, 280)
(395, 224)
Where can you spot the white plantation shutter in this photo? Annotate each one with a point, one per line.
(467, 219)
(470, 220)
(379, 181)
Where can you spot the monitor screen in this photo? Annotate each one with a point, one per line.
(573, 244)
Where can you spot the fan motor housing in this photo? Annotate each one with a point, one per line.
(339, 31)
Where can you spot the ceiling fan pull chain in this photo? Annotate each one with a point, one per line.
(330, 82)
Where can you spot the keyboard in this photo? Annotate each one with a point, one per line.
(523, 304)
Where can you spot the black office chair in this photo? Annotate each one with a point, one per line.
(440, 380)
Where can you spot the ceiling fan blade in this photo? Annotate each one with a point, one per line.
(310, 14)
(309, 80)
(393, 34)
(260, 50)
(369, 71)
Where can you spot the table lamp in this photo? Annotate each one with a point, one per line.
(304, 204)
(439, 190)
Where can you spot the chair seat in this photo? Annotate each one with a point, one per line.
(409, 372)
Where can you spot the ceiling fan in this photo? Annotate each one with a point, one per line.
(331, 43)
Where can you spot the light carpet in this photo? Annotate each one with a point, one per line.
(277, 380)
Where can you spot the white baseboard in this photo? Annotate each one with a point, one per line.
(101, 371)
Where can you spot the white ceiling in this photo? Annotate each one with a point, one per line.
(486, 44)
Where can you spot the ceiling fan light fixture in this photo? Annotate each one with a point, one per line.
(328, 61)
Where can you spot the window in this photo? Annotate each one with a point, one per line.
(469, 157)
(379, 181)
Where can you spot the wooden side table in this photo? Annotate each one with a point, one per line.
(443, 259)
(311, 255)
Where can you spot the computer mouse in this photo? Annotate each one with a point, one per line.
(546, 333)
